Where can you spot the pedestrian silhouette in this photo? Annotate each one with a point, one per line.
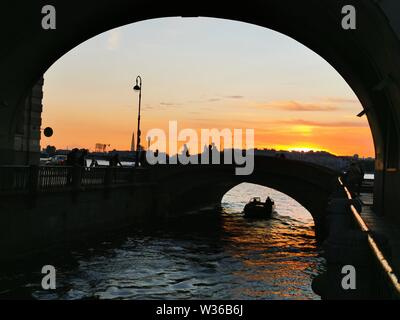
(72, 161)
(72, 157)
(269, 203)
(114, 160)
(360, 177)
(94, 163)
(82, 158)
(185, 150)
(354, 177)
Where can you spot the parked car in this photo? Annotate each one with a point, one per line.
(44, 161)
(59, 159)
(44, 158)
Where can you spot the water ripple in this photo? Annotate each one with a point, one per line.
(231, 258)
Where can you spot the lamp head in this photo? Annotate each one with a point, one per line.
(137, 87)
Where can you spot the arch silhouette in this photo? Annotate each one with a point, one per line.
(367, 58)
(187, 188)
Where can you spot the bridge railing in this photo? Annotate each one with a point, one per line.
(378, 252)
(14, 178)
(122, 176)
(94, 176)
(53, 178)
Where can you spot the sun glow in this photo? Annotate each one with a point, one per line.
(297, 148)
(306, 149)
(301, 149)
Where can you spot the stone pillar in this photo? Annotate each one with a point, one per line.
(345, 246)
(348, 249)
(27, 132)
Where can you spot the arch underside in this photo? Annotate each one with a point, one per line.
(190, 188)
(202, 194)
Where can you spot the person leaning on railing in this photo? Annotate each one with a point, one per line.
(354, 178)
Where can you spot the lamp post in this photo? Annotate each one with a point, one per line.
(138, 87)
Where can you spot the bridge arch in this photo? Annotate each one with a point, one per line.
(192, 187)
(367, 57)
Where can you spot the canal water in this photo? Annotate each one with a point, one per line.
(223, 256)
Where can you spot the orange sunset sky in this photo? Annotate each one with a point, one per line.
(204, 73)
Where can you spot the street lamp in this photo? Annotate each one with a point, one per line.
(138, 87)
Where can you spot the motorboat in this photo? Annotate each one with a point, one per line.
(256, 209)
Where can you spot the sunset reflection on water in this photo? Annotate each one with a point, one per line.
(219, 255)
(279, 255)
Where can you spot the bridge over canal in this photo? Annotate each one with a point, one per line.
(44, 206)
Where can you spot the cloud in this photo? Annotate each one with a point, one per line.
(341, 100)
(298, 106)
(335, 124)
(169, 104)
(215, 99)
(114, 40)
(234, 97)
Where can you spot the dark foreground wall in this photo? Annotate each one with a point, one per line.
(29, 224)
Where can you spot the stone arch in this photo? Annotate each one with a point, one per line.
(204, 185)
(367, 57)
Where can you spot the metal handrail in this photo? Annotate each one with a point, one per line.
(45, 178)
(378, 253)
